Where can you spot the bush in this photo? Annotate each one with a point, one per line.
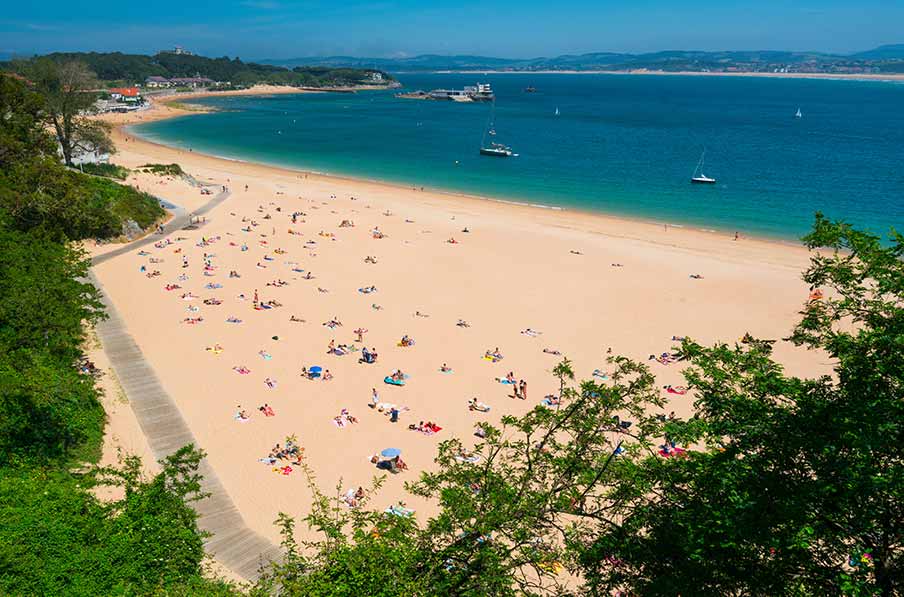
(124, 203)
(107, 170)
(163, 169)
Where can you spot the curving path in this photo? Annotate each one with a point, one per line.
(180, 219)
(231, 542)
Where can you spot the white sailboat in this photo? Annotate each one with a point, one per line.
(799, 114)
(494, 149)
(699, 177)
(557, 110)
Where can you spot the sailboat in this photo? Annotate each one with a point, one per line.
(494, 149)
(557, 110)
(699, 177)
(799, 114)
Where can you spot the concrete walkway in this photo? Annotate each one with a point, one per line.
(232, 543)
(180, 220)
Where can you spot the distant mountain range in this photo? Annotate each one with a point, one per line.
(889, 58)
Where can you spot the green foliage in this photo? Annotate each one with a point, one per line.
(362, 552)
(800, 478)
(123, 202)
(69, 93)
(59, 539)
(56, 537)
(22, 134)
(107, 170)
(36, 191)
(163, 169)
(789, 486)
(135, 69)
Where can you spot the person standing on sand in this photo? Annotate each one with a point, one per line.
(523, 386)
(375, 397)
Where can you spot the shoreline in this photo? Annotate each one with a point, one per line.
(163, 110)
(585, 282)
(875, 77)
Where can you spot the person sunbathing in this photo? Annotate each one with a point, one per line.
(295, 319)
(474, 404)
(463, 324)
(406, 341)
(327, 375)
(233, 320)
(267, 410)
(679, 390)
(493, 355)
(242, 370)
(551, 351)
(445, 368)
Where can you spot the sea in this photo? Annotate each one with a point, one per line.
(625, 145)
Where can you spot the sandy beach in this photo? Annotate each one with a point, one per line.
(577, 283)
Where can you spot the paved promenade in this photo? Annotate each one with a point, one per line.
(232, 543)
(180, 219)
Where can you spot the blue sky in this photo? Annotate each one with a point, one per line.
(505, 28)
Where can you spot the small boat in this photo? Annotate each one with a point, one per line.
(699, 177)
(497, 150)
(557, 110)
(799, 114)
(530, 89)
(494, 149)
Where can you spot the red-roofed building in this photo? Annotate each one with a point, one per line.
(125, 93)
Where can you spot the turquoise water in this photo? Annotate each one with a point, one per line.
(624, 145)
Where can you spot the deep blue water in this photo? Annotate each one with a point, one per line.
(625, 145)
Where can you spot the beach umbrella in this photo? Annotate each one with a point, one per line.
(391, 453)
(315, 369)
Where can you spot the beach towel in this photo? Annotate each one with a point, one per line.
(400, 511)
(471, 459)
(393, 382)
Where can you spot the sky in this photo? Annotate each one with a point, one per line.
(257, 29)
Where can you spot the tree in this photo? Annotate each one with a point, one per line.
(512, 509)
(37, 191)
(800, 487)
(70, 91)
(22, 134)
(60, 539)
